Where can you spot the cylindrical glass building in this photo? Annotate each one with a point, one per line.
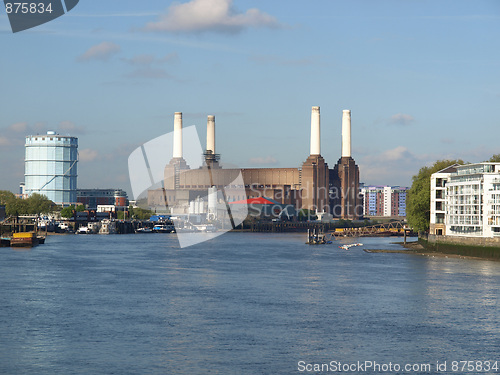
(51, 167)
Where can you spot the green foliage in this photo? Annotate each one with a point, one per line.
(36, 204)
(495, 158)
(419, 195)
(67, 212)
(139, 213)
(120, 215)
(6, 197)
(39, 204)
(306, 214)
(341, 223)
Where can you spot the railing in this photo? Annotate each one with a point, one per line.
(394, 228)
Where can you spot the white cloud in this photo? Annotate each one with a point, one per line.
(146, 59)
(401, 119)
(140, 60)
(268, 160)
(198, 16)
(19, 127)
(149, 72)
(279, 60)
(87, 154)
(390, 167)
(396, 154)
(4, 141)
(70, 128)
(103, 51)
(148, 66)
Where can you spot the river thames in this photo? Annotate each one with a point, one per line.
(243, 303)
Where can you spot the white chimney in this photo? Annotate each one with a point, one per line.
(346, 133)
(211, 134)
(315, 132)
(178, 135)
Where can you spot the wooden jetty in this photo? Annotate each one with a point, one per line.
(316, 236)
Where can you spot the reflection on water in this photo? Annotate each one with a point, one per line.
(243, 303)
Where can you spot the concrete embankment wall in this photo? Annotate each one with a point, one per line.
(467, 246)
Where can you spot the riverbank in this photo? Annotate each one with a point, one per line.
(417, 248)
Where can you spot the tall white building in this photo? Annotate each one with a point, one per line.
(51, 167)
(465, 201)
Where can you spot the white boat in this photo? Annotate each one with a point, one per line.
(83, 230)
(347, 247)
(107, 227)
(164, 228)
(205, 228)
(144, 230)
(90, 228)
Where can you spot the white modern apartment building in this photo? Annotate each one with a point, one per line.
(465, 201)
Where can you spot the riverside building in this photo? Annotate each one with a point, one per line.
(384, 201)
(465, 201)
(51, 167)
(312, 186)
(92, 198)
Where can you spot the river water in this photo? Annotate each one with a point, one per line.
(243, 303)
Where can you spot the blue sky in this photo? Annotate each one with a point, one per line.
(420, 77)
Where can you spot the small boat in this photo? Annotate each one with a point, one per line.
(90, 228)
(205, 228)
(164, 228)
(144, 230)
(347, 247)
(83, 230)
(107, 227)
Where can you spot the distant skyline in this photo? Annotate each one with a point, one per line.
(421, 79)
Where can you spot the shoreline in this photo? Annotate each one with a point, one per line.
(416, 248)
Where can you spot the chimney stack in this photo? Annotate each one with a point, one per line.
(346, 133)
(211, 134)
(315, 132)
(177, 135)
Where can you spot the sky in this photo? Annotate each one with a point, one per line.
(421, 79)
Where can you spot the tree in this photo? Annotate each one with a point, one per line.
(305, 214)
(419, 197)
(67, 212)
(495, 158)
(6, 197)
(38, 204)
(139, 213)
(16, 207)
